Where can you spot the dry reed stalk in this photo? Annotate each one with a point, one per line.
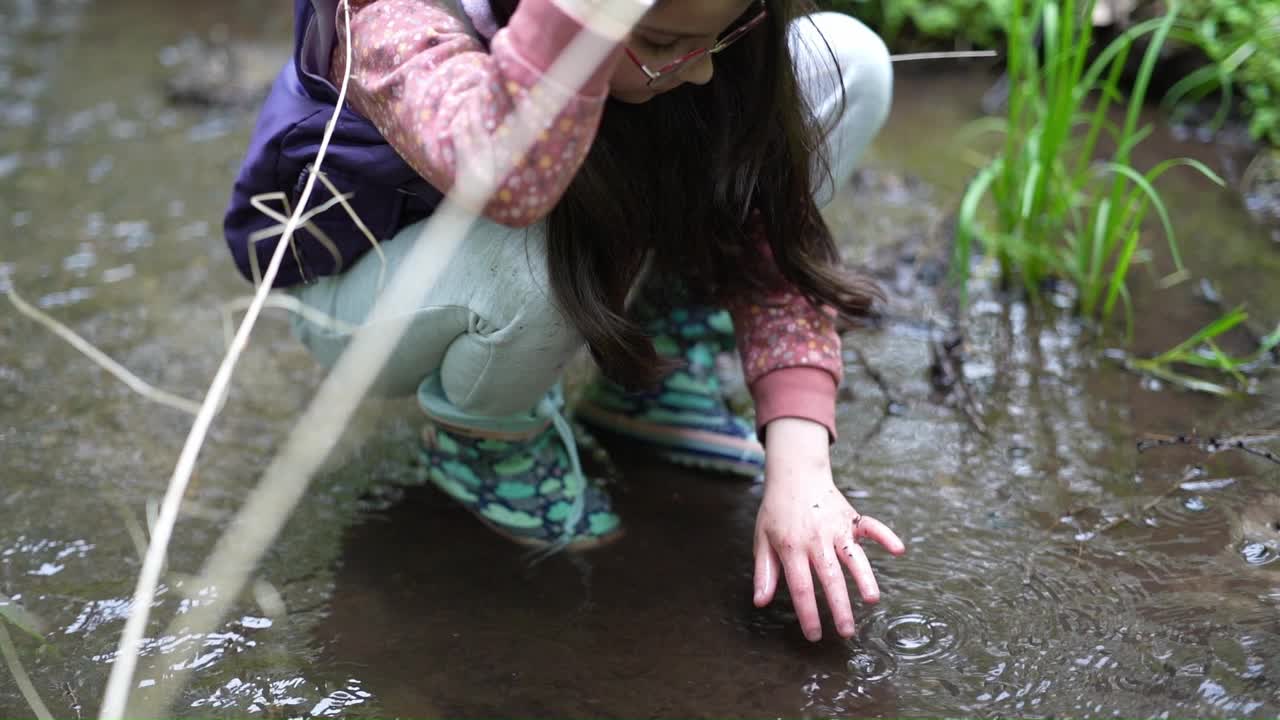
(279, 301)
(947, 55)
(29, 692)
(135, 383)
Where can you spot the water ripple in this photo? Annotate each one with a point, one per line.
(1258, 554)
(916, 635)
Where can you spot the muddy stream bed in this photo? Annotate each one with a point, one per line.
(1023, 591)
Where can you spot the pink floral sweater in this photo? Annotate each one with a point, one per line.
(435, 92)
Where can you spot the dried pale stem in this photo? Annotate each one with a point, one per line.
(890, 398)
(945, 55)
(280, 301)
(28, 690)
(1146, 508)
(134, 529)
(135, 383)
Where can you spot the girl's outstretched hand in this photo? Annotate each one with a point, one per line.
(806, 528)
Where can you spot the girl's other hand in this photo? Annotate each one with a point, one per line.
(806, 528)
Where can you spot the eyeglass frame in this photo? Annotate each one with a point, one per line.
(675, 65)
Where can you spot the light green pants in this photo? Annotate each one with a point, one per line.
(490, 326)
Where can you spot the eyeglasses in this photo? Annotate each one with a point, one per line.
(676, 65)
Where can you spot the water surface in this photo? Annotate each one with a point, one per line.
(1023, 591)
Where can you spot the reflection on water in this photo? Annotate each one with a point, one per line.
(1051, 569)
(289, 696)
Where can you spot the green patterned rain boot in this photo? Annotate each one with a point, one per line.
(687, 419)
(518, 475)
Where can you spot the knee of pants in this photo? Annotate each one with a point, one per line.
(865, 68)
(507, 371)
(845, 71)
(419, 350)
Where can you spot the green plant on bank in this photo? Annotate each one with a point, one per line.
(1056, 211)
(980, 22)
(1239, 38)
(1060, 213)
(1201, 350)
(1243, 41)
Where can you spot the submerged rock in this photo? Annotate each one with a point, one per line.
(1113, 12)
(220, 73)
(1261, 188)
(1259, 524)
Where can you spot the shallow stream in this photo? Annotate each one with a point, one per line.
(1025, 590)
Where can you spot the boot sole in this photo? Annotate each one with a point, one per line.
(693, 448)
(581, 545)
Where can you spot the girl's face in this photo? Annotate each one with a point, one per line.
(673, 29)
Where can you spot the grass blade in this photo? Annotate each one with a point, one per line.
(29, 692)
(1119, 274)
(1212, 330)
(1191, 383)
(21, 618)
(1146, 188)
(967, 226)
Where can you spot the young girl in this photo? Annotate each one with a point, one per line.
(670, 212)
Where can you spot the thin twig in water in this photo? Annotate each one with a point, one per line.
(947, 371)
(29, 692)
(73, 700)
(1128, 517)
(875, 430)
(902, 325)
(890, 398)
(971, 408)
(1210, 445)
(133, 528)
(1216, 444)
(1029, 563)
(135, 383)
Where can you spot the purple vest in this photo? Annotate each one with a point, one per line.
(388, 194)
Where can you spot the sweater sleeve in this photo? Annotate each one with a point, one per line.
(791, 355)
(439, 97)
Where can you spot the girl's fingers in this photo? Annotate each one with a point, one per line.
(767, 570)
(868, 527)
(860, 568)
(831, 575)
(803, 599)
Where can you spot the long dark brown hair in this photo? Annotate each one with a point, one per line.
(680, 176)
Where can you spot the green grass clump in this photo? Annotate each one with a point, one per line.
(1055, 209)
(979, 22)
(1239, 41)
(1242, 39)
(1201, 350)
